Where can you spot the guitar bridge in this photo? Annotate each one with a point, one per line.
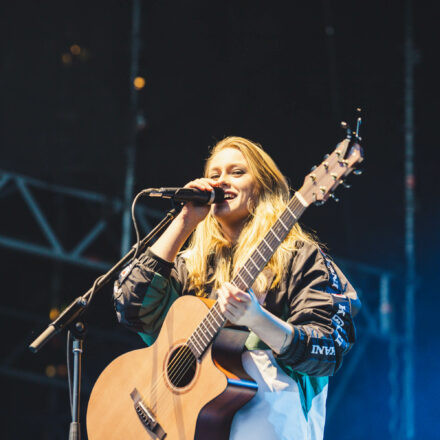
(146, 416)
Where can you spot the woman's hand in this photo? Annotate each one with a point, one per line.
(171, 241)
(243, 308)
(239, 307)
(192, 213)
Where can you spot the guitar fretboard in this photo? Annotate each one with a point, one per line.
(208, 329)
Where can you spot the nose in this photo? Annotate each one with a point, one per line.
(223, 180)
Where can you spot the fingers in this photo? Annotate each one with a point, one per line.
(204, 184)
(233, 302)
(228, 302)
(239, 307)
(194, 213)
(232, 316)
(242, 297)
(233, 294)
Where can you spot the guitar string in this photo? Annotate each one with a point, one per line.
(176, 368)
(155, 387)
(187, 366)
(190, 356)
(182, 351)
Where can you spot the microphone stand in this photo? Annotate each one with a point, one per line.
(70, 319)
(75, 390)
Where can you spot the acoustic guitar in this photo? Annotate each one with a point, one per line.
(184, 387)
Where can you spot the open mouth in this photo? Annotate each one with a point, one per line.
(229, 196)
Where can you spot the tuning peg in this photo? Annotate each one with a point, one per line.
(326, 156)
(357, 172)
(334, 197)
(345, 184)
(313, 168)
(319, 203)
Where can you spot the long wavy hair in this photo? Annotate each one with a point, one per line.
(208, 244)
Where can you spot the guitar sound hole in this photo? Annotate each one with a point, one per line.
(181, 366)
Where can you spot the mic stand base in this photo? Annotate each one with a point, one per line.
(75, 431)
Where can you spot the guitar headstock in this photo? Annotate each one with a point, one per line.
(322, 181)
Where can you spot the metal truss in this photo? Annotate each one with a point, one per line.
(24, 187)
(375, 318)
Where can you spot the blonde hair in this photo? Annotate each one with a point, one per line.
(208, 245)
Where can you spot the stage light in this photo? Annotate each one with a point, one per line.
(66, 58)
(51, 371)
(75, 49)
(62, 370)
(54, 313)
(139, 83)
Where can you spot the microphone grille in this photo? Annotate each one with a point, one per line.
(219, 195)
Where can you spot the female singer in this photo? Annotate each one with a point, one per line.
(299, 310)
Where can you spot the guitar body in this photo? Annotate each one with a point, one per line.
(188, 398)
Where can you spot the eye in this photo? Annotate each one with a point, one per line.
(238, 172)
(214, 176)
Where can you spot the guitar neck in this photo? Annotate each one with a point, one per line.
(208, 329)
(247, 275)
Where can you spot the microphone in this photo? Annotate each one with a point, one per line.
(188, 195)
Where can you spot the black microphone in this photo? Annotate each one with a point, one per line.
(188, 195)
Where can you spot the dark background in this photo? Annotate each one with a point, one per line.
(283, 75)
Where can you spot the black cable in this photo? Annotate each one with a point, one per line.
(133, 217)
(93, 289)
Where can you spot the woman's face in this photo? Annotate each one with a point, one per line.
(231, 171)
